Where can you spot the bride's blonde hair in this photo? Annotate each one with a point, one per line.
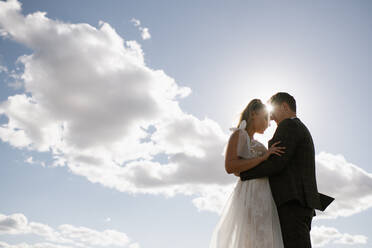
(253, 106)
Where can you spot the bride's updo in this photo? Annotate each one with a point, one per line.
(254, 105)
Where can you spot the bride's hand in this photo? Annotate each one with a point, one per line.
(237, 174)
(278, 150)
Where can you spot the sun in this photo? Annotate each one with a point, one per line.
(269, 107)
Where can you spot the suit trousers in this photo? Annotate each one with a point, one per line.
(295, 222)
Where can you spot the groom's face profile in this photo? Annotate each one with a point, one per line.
(280, 112)
(276, 113)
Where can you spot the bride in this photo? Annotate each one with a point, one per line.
(249, 218)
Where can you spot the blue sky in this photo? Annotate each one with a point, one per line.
(82, 97)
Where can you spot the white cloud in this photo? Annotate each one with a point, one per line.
(30, 160)
(145, 33)
(14, 78)
(134, 245)
(13, 224)
(11, 76)
(91, 101)
(213, 198)
(3, 68)
(93, 237)
(349, 184)
(16, 224)
(36, 245)
(136, 22)
(322, 235)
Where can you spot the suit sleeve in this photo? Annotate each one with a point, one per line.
(286, 134)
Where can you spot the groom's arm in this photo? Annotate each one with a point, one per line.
(286, 134)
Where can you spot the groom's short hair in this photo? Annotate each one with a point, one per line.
(281, 97)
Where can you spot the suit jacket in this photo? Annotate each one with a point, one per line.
(291, 175)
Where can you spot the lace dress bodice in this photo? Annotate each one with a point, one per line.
(247, 147)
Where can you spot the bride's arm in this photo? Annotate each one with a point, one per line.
(235, 164)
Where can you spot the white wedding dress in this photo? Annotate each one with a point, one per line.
(249, 218)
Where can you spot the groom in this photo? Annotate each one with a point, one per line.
(291, 175)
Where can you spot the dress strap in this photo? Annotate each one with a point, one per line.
(242, 126)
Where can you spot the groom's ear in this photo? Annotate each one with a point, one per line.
(285, 106)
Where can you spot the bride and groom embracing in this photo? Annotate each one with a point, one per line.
(274, 200)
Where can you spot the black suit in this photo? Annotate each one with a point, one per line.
(292, 182)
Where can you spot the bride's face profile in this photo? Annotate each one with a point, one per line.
(261, 120)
